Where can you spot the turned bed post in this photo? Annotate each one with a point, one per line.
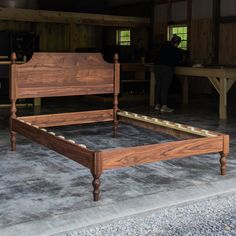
(13, 101)
(96, 172)
(223, 155)
(116, 91)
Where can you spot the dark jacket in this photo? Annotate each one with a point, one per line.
(169, 55)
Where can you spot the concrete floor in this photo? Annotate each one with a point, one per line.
(44, 193)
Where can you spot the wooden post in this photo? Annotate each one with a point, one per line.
(223, 99)
(215, 31)
(152, 89)
(13, 102)
(185, 91)
(189, 21)
(115, 94)
(223, 155)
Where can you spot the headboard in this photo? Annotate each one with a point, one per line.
(64, 74)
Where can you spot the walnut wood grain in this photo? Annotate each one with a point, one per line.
(116, 158)
(71, 118)
(70, 150)
(63, 74)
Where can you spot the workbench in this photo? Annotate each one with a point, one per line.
(222, 78)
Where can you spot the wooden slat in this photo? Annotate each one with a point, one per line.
(161, 129)
(156, 152)
(165, 126)
(70, 150)
(71, 118)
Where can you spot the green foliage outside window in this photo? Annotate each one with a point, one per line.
(123, 37)
(181, 31)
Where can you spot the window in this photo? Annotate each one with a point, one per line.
(181, 31)
(123, 37)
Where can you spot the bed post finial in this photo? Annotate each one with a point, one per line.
(116, 58)
(13, 57)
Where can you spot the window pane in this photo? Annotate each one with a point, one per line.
(123, 37)
(181, 31)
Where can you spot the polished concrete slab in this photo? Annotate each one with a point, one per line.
(44, 193)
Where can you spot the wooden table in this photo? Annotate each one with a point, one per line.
(222, 78)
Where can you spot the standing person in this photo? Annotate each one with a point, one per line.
(168, 57)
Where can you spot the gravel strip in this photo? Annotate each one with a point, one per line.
(214, 216)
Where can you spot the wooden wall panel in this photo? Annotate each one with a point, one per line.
(160, 29)
(160, 34)
(58, 37)
(53, 37)
(201, 41)
(16, 25)
(87, 36)
(201, 52)
(227, 45)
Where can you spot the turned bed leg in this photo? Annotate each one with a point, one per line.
(223, 161)
(12, 133)
(96, 187)
(13, 141)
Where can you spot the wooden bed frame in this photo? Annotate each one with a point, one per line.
(67, 74)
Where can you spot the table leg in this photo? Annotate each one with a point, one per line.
(185, 91)
(152, 89)
(223, 98)
(37, 102)
(37, 105)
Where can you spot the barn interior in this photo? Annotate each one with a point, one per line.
(45, 193)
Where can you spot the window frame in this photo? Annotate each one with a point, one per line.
(184, 40)
(119, 40)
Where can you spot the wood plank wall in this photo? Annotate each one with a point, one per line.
(201, 41)
(227, 45)
(58, 37)
(61, 37)
(55, 37)
(18, 26)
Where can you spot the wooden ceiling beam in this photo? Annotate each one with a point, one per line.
(14, 14)
(167, 1)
